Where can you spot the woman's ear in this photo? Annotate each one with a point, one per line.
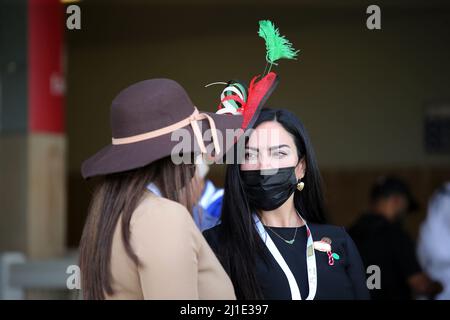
(300, 169)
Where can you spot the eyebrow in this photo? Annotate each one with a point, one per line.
(271, 148)
(279, 147)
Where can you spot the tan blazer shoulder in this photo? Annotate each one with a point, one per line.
(175, 261)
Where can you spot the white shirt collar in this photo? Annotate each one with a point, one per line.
(153, 188)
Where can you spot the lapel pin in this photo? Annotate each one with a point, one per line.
(322, 246)
(330, 258)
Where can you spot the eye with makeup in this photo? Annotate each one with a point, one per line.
(279, 154)
(280, 151)
(275, 152)
(250, 155)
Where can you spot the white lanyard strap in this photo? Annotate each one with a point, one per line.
(310, 261)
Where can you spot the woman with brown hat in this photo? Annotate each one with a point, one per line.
(139, 241)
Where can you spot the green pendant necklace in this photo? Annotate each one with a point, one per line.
(287, 241)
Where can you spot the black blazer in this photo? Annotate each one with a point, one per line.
(346, 279)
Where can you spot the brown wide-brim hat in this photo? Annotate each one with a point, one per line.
(155, 118)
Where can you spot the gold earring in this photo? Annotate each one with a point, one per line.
(300, 186)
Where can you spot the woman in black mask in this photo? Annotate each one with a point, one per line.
(272, 239)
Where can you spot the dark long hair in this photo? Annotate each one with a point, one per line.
(118, 195)
(239, 242)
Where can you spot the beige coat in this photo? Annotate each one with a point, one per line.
(176, 261)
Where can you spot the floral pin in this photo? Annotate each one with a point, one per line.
(324, 245)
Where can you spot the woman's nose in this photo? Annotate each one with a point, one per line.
(265, 162)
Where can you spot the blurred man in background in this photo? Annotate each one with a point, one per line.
(383, 241)
(434, 240)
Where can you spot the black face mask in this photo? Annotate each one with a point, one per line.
(267, 190)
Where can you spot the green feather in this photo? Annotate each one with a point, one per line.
(277, 46)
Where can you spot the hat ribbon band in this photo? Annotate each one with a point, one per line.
(191, 120)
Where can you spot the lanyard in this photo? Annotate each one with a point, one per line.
(310, 261)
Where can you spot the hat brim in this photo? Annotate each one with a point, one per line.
(119, 158)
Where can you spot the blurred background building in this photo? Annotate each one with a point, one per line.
(375, 102)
